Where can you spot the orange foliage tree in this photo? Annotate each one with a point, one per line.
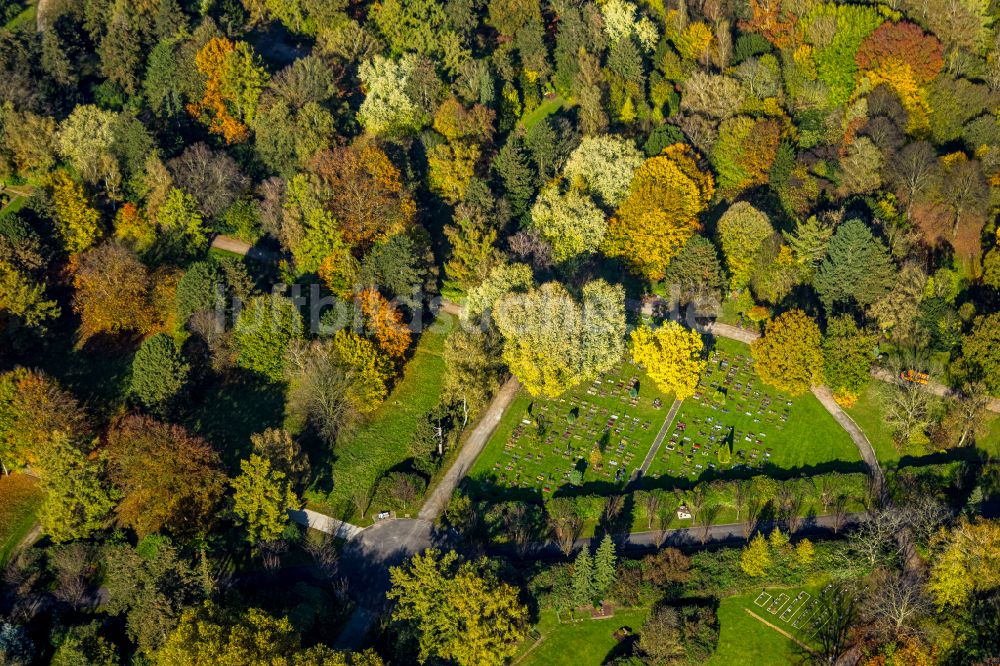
(906, 43)
(386, 324)
(233, 82)
(660, 213)
(768, 18)
(113, 292)
(364, 192)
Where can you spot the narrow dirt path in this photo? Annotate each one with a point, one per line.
(780, 631)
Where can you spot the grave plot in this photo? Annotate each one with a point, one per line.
(735, 421)
(598, 432)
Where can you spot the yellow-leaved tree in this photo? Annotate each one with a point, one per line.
(671, 356)
(660, 213)
(789, 357)
(968, 562)
(459, 611)
(77, 222)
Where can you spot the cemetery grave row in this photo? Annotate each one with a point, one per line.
(599, 431)
(735, 421)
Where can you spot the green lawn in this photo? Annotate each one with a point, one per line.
(584, 643)
(745, 640)
(20, 498)
(769, 429)
(15, 204)
(25, 19)
(524, 459)
(381, 443)
(548, 106)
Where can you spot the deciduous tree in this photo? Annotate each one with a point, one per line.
(78, 223)
(264, 330)
(569, 221)
(77, 499)
(742, 230)
(551, 343)
(113, 292)
(605, 166)
(671, 356)
(171, 481)
(847, 357)
(789, 355)
(261, 499)
(456, 610)
(660, 213)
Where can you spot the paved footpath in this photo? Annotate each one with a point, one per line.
(658, 441)
(471, 449)
(369, 554)
(325, 523)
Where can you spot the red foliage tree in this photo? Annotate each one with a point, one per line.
(905, 42)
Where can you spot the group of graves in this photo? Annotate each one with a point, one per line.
(732, 421)
(805, 613)
(598, 432)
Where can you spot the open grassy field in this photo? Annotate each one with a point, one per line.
(760, 426)
(583, 643)
(20, 498)
(598, 428)
(743, 639)
(381, 443)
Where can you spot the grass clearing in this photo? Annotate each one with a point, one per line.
(548, 106)
(745, 640)
(382, 442)
(598, 428)
(764, 427)
(867, 413)
(584, 643)
(20, 499)
(24, 20)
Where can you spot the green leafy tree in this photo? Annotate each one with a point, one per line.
(981, 351)
(847, 357)
(473, 368)
(180, 223)
(84, 646)
(159, 372)
(151, 584)
(455, 610)
(197, 290)
(264, 330)
(742, 230)
(77, 500)
(261, 499)
(857, 267)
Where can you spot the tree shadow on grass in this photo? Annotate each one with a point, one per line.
(230, 409)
